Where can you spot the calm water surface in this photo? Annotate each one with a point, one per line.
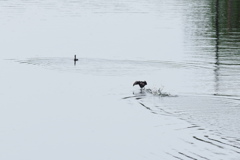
(190, 50)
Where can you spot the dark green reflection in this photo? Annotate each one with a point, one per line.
(212, 38)
(227, 28)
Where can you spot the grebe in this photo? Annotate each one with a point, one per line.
(140, 83)
(75, 59)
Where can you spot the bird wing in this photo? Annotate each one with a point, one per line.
(136, 83)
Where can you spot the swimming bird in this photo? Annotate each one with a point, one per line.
(75, 59)
(140, 83)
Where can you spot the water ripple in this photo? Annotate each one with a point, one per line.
(106, 66)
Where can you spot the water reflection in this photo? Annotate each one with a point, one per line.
(213, 38)
(216, 70)
(227, 45)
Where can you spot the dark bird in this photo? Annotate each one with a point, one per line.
(140, 83)
(75, 59)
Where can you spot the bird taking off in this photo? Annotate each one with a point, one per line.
(140, 83)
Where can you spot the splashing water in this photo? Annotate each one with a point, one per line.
(159, 92)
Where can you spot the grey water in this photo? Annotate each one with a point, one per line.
(187, 51)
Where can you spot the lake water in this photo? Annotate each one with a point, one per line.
(53, 109)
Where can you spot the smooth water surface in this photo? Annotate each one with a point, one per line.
(53, 109)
